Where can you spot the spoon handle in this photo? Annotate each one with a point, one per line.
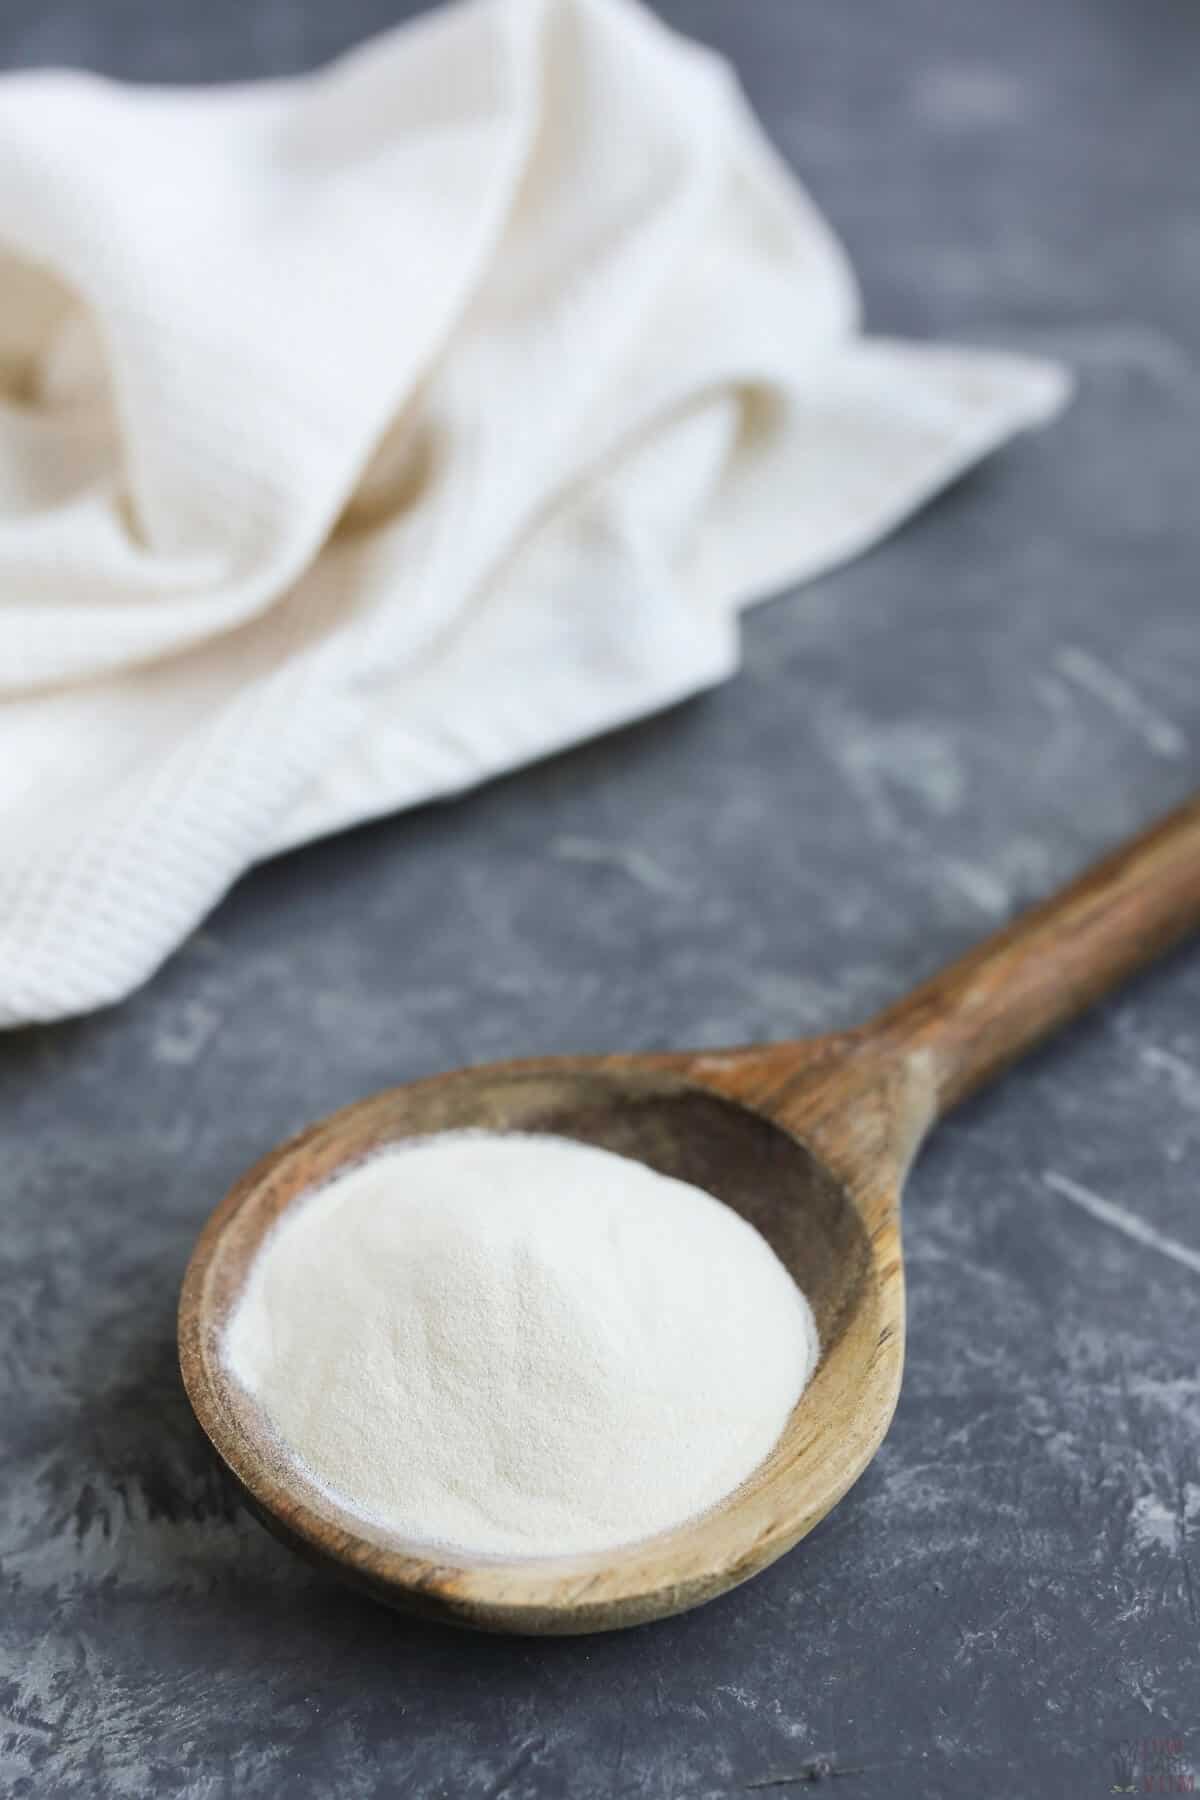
(981, 1013)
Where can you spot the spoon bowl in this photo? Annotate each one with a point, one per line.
(809, 1141)
(643, 1109)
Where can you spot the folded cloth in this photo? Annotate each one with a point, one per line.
(366, 434)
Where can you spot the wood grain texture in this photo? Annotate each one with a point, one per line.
(809, 1141)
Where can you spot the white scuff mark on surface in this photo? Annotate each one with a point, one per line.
(1158, 733)
(879, 763)
(1129, 1224)
(1182, 1075)
(978, 885)
(848, 746)
(970, 97)
(1154, 1524)
(631, 861)
(924, 763)
(186, 1036)
(1057, 697)
(741, 1696)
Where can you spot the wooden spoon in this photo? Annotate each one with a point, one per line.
(810, 1141)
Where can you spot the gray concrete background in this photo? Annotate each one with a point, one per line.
(916, 746)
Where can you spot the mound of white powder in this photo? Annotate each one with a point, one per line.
(521, 1345)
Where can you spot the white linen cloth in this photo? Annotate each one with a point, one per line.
(366, 434)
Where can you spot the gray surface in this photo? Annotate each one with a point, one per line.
(915, 747)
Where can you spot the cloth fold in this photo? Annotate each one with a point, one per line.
(366, 434)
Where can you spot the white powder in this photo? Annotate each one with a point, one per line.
(521, 1345)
